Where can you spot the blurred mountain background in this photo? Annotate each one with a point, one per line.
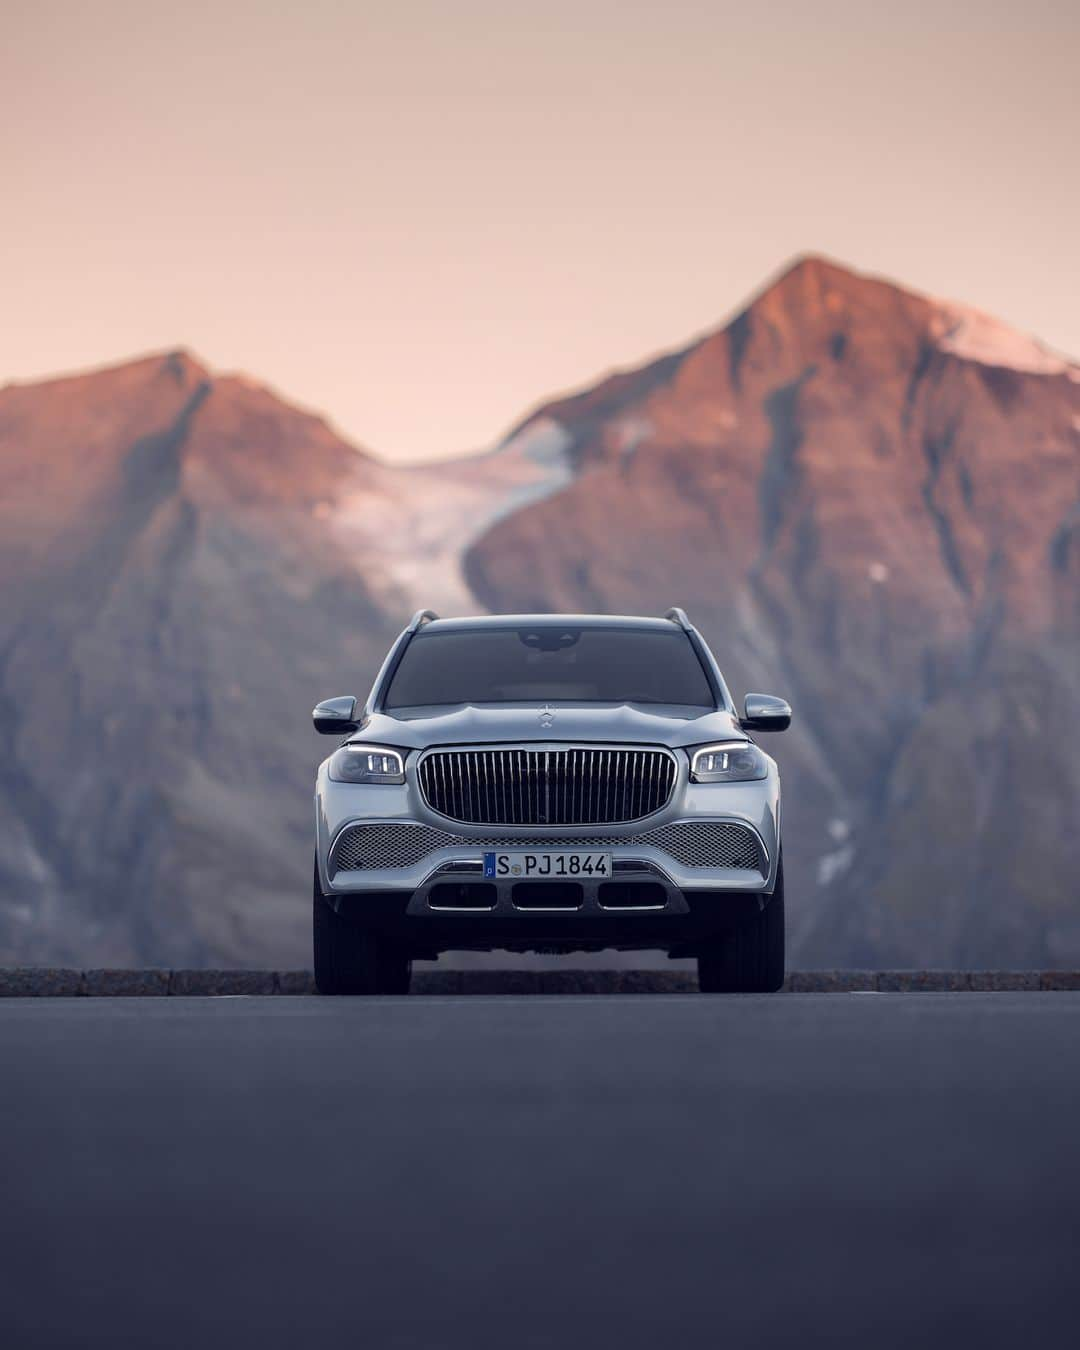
(868, 500)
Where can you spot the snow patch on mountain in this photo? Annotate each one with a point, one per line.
(976, 336)
(831, 866)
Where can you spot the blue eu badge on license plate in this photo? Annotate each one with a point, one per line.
(489, 864)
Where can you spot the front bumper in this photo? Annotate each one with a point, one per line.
(457, 849)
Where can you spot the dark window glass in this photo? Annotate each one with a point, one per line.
(573, 664)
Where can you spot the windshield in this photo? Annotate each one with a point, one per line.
(542, 664)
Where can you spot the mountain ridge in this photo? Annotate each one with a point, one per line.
(859, 507)
(810, 262)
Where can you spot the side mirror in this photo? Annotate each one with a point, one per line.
(762, 712)
(335, 716)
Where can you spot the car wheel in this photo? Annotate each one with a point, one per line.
(751, 959)
(351, 960)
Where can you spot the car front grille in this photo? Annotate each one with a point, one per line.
(693, 843)
(578, 786)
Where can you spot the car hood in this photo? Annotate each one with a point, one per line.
(551, 724)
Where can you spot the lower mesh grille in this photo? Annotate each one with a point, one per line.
(693, 843)
(707, 843)
(368, 846)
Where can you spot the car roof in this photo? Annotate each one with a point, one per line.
(490, 621)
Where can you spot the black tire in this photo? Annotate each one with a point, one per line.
(351, 960)
(751, 959)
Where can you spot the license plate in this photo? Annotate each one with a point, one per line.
(547, 866)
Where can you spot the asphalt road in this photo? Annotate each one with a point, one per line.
(871, 1170)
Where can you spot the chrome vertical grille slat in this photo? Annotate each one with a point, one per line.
(579, 785)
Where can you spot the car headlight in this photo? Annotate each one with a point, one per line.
(366, 764)
(737, 762)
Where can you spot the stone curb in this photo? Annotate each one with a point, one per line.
(41, 983)
(61, 983)
(125, 983)
(215, 983)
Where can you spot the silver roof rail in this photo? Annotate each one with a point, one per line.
(421, 617)
(678, 616)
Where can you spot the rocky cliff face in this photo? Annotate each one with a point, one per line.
(869, 501)
(171, 604)
(189, 564)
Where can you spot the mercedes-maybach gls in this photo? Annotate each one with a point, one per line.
(548, 783)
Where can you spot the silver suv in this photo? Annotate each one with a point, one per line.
(548, 783)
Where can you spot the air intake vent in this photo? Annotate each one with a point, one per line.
(694, 843)
(583, 786)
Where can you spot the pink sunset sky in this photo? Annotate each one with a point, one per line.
(420, 218)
